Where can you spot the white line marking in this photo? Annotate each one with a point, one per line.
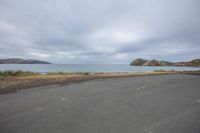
(39, 109)
(140, 88)
(198, 100)
(63, 99)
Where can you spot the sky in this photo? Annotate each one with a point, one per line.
(100, 31)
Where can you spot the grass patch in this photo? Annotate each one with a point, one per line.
(29, 73)
(172, 70)
(160, 71)
(18, 73)
(68, 73)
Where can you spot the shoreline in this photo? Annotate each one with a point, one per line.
(13, 83)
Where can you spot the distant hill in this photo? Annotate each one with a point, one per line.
(21, 61)
(144, 62)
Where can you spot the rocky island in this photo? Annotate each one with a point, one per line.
(144, 62)
(21, 61)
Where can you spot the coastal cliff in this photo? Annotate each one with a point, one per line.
(144, 62)
(21, 61)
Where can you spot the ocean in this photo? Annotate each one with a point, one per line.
(43, 68)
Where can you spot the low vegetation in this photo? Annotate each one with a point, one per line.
(67, 73)
(12, 81)
(29, 73)
(172, 70)
(18, 73)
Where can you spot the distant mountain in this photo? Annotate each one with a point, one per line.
(21, 61)
(144, 62)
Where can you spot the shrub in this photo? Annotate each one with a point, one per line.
(17, 73)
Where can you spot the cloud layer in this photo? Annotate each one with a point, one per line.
(106, 31)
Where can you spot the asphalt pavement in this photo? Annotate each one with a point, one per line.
(140, 104)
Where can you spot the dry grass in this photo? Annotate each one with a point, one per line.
(29, 73)
(23, 80)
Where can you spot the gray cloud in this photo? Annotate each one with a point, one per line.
(106, 31)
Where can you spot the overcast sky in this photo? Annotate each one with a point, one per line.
(100, 31)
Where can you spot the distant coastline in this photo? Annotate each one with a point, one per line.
(22, 61)
(144, 62)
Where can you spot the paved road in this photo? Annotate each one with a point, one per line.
(146, 104)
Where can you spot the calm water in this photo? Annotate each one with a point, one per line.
(87, 68)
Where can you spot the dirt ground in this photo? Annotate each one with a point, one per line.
(10, 84)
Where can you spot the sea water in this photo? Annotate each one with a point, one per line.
(43, 68)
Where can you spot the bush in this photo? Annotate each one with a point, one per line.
(17, 73)
(29, 73)
(86, 73)
(160, 71)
